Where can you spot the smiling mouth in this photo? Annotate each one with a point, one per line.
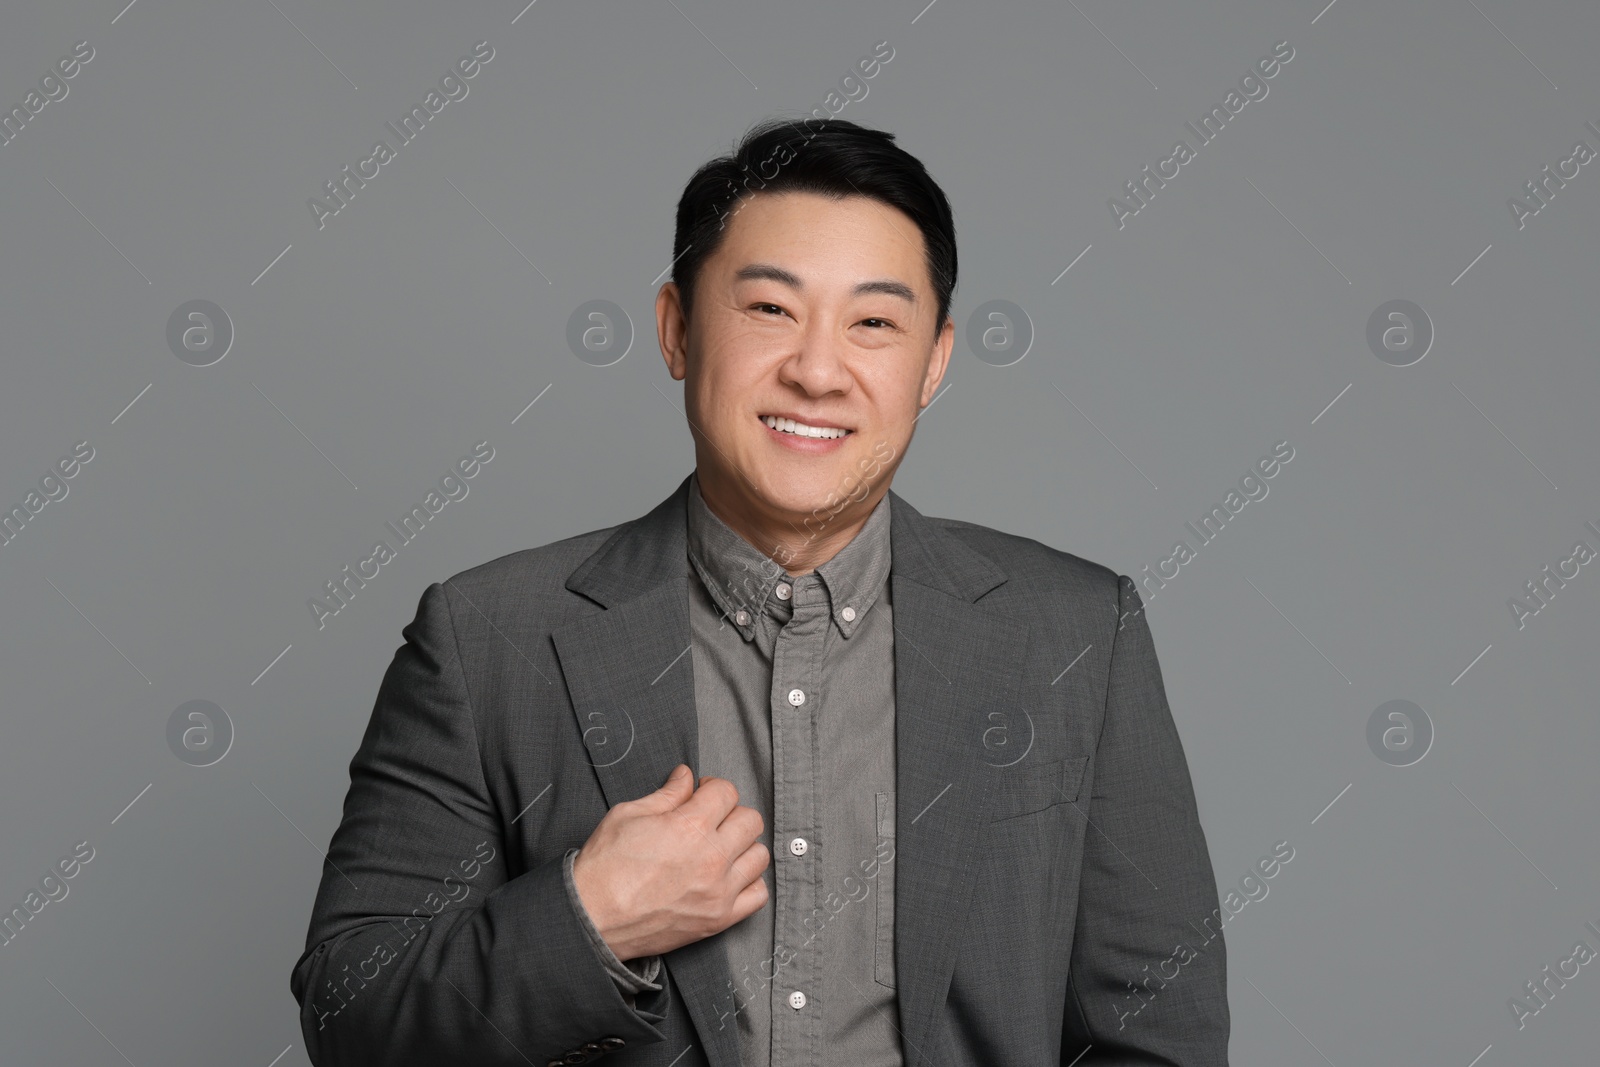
(800, 429)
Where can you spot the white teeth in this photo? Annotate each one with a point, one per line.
(800, 429)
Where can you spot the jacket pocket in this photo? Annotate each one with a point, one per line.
(883, 951)
(1027, 788)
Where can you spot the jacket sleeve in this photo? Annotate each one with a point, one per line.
(1148, 979)
(633, 977)
(421, 948)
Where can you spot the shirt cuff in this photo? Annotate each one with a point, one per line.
(632, 977)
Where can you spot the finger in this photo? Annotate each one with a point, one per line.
(712, 801)
(677, 788)
(749, 866)
(751, 899)
(741, 826)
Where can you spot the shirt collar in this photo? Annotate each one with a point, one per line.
(743, 580)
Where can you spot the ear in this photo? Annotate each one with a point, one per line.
(672, 330)
(939, 362)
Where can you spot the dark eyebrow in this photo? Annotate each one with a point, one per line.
(888, 287)
(767, 271)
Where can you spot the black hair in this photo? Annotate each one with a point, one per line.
(831, 157)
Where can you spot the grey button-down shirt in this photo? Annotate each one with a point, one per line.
(794, 697)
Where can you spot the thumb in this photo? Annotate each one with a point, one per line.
(679, 785)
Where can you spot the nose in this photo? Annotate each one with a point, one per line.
(817, 366)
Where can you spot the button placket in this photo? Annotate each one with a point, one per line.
(796, 664)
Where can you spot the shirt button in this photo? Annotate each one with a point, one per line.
(742, 617)
(848, 614)
(798, 846)
(797, 697)
(797, 1000)
(783, 590)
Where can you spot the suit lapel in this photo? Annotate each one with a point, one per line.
(955, 663)
(629, 672)
(630, 675)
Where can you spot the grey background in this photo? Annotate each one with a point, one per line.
(1215, 324)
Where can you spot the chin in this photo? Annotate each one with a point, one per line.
(801, 490)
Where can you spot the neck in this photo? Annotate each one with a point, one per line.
(799, 543)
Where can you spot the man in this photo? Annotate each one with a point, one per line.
(783, 773)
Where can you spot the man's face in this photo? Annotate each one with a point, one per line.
(815, 310)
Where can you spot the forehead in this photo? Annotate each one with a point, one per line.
(811, 232)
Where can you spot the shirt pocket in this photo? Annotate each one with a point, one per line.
(1034, 787)
(883, 949)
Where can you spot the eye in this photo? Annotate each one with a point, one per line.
(885, 322)
(762, 307)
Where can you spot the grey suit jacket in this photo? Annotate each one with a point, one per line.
(1049, 856)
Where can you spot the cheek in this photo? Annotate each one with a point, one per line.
(723, 409)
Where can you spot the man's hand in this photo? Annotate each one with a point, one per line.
(672, 867)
